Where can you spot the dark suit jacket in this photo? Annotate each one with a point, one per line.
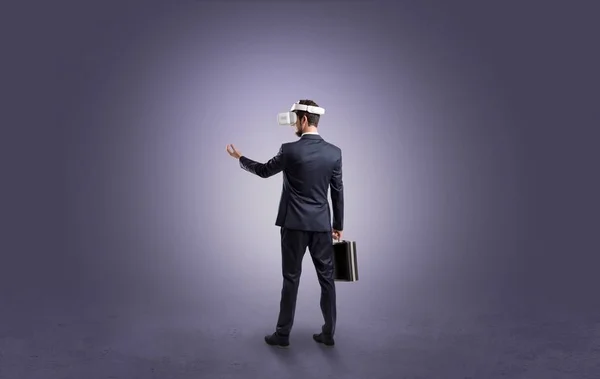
(311, 166)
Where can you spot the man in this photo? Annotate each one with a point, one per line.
(311, 166)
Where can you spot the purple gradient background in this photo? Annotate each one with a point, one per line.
(135, 247)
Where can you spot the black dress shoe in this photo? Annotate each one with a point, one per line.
(324, 339)
(277, 340)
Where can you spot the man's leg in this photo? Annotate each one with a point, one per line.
(321, 251)
(293, 247)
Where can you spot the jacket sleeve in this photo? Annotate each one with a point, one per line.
(264, 170)
(337, 195)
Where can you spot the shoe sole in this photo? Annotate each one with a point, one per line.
(278, 345)
(324, 344)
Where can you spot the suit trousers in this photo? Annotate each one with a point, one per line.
(293, 247)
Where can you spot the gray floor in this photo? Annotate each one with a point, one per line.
(193, 340)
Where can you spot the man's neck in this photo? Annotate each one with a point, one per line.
(310, 130)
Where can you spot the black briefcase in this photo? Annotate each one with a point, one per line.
(345, 268)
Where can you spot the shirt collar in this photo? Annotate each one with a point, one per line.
(310, 133)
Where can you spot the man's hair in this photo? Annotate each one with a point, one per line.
(313, 119)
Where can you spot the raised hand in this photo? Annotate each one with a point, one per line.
(232, 151)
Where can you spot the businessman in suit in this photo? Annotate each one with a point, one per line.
(311, 167)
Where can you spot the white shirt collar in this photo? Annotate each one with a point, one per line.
(310, 133)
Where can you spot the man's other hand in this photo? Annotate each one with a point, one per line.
(232, 151)
(337, 234)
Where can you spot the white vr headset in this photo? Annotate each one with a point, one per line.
(290, 118)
